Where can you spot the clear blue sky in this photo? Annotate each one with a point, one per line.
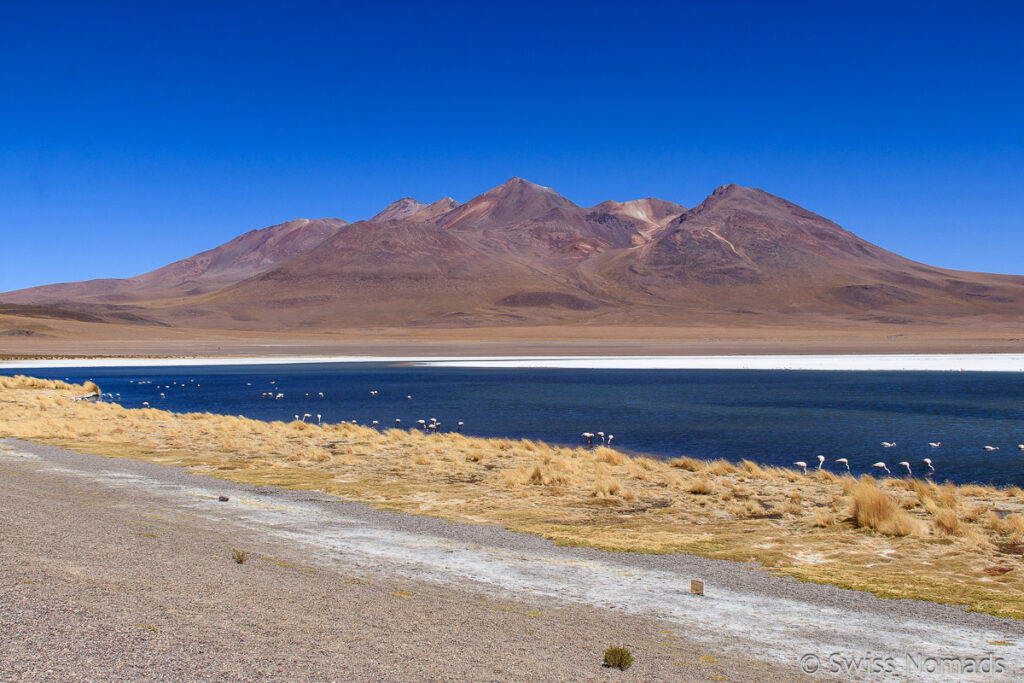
(133, 134)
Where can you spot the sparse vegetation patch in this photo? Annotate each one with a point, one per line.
(618, 658)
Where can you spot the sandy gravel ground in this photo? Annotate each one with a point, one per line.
(821, 337)
(973, 362)
(121, 570)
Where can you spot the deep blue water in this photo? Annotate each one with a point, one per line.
(774, 417)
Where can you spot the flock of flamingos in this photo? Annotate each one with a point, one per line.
(880, 466)
(434, 426)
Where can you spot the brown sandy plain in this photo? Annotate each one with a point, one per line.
(84, 339)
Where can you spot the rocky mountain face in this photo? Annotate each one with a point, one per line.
(522, 253)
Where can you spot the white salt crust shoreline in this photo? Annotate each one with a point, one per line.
(981, 362)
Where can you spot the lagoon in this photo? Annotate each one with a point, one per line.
(769, 416)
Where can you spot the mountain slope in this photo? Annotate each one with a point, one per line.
(393, 272)
(746, 248)
(244, 256)
(434, 211)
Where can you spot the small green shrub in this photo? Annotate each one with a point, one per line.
(618, 657)
(239, 556)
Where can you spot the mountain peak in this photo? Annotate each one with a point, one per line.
(734, 197)
(435, 210)
(399, 210)
(747, 235)
(517, 184)
(734, 190)
(513, 201)
(727, 188)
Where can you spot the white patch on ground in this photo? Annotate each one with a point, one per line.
(807, 557)
(9, 452)
(774, 627)
(992, 362)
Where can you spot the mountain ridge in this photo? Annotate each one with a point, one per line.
(521, 253)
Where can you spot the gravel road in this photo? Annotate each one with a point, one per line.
(115, 569)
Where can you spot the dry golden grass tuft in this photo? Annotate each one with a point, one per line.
(924, 490)
(973, 513)
(24, 382)
(1014, 522)
(606, 487)
(946, 496)
(720, 467)
(673, 480)
(754, 470)
(825, 475)
(873, 508)
(742, 491)
(515, 477)
(946, 521)
(612, 457)
(976, 490)
(903, 538)
(687, 463)
(701, 487)
(898, 484)
(822, 519)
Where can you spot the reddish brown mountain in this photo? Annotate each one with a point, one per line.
(472, 264)
(744, 249)
(243, 257)
(522, 253)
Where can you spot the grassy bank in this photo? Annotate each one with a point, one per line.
(895, 537)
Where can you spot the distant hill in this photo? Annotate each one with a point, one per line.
(522, 254)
